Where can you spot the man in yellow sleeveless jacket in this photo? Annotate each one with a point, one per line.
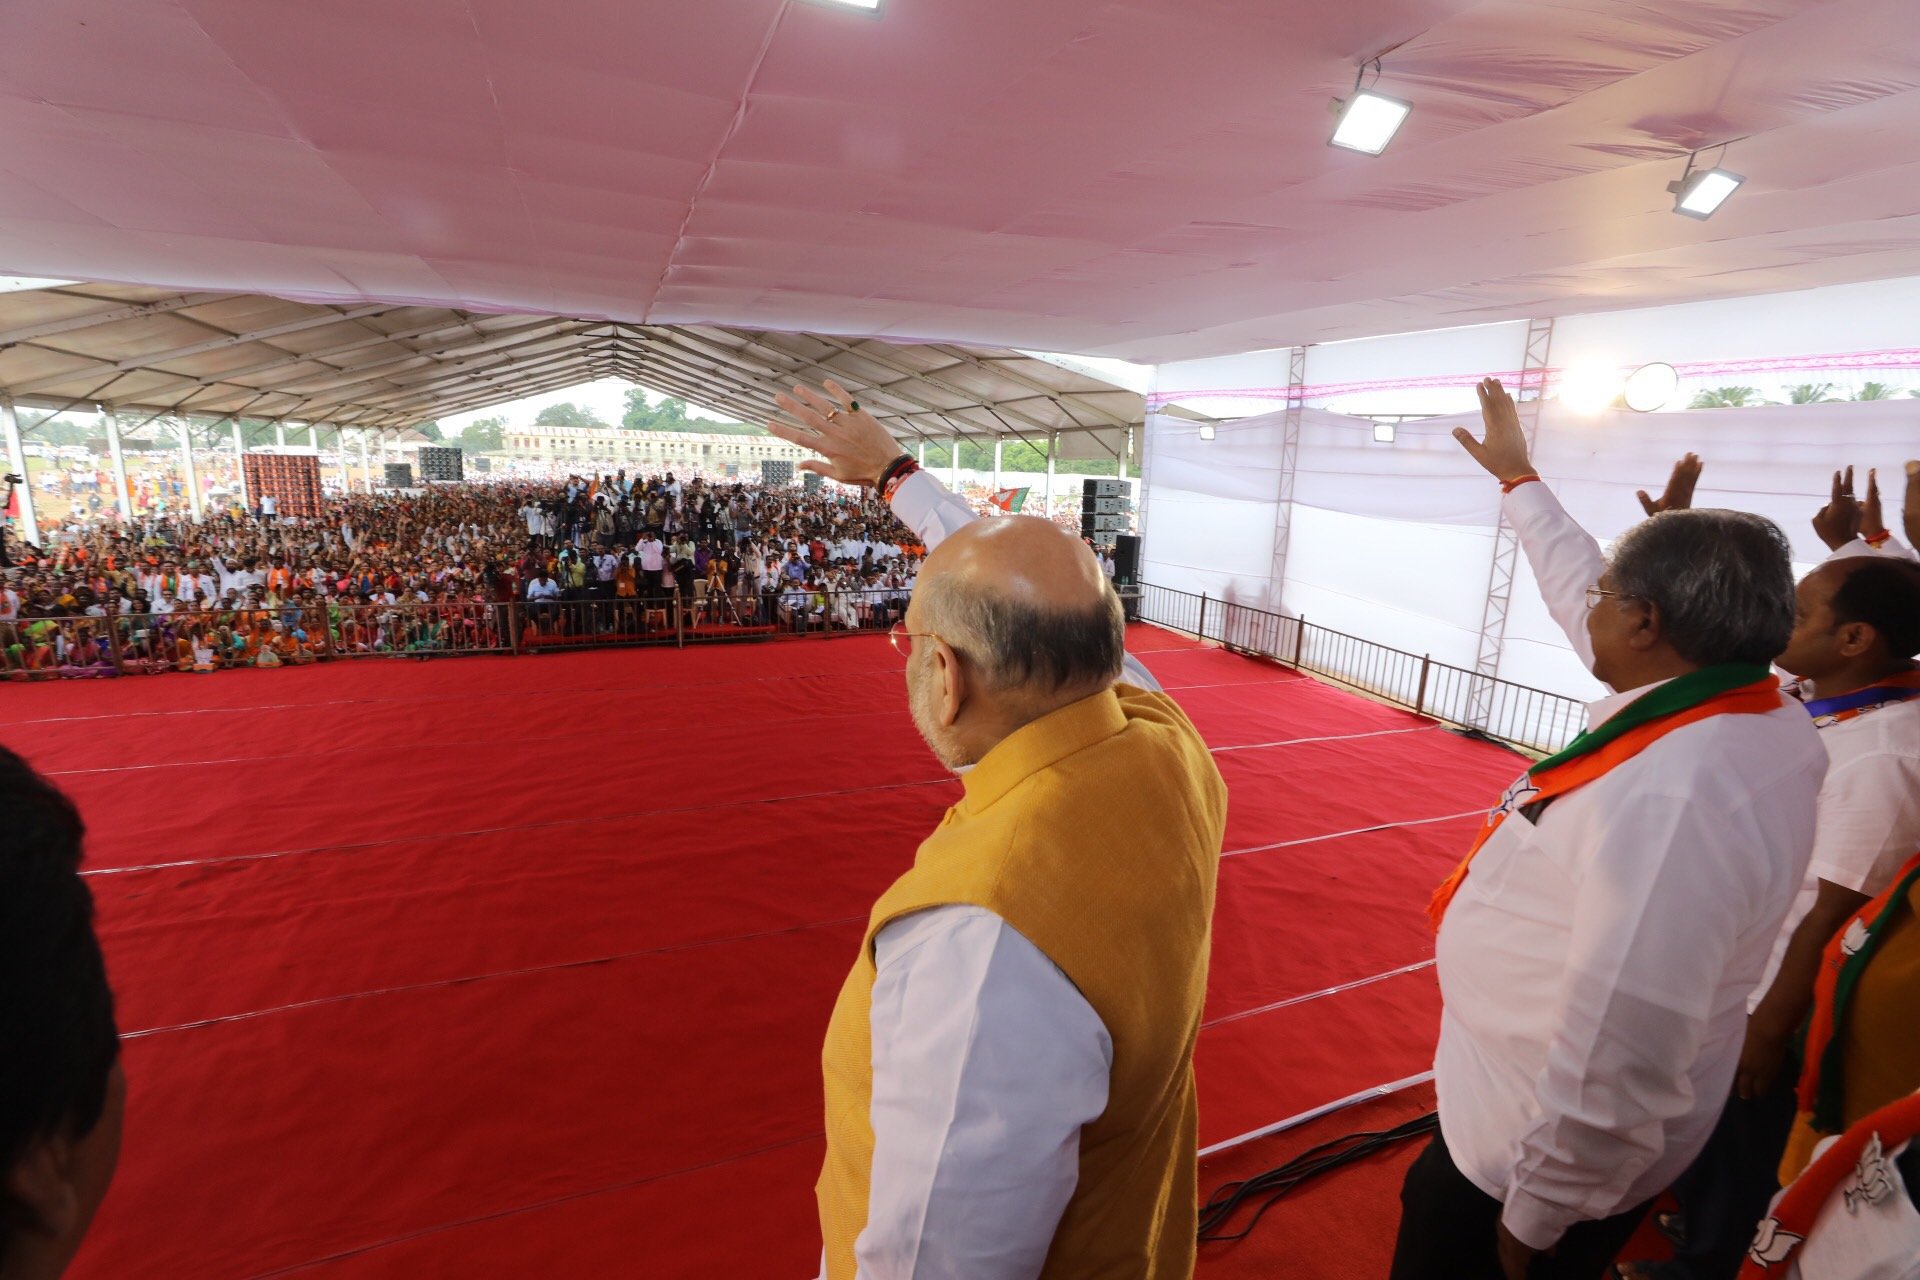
(1009, 1067)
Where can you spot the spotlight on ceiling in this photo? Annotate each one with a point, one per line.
(1206, 431)
(1368, 120)
(1699, 193)
(1652, 387)
(1384, 432)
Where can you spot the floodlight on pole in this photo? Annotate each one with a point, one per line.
(1700, 193)
(1368, 120)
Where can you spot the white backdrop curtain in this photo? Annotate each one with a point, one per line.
(1394, 542)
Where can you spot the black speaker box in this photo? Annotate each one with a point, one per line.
(1126, 560)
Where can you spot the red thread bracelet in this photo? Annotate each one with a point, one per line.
(890, 484)
(1508, 486)
(1877, 539)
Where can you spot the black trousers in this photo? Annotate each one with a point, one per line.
(1725, 1192)
(1449, 1230)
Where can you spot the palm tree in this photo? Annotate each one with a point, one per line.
(1728, 398)
(1876, 391)
(1811, 393)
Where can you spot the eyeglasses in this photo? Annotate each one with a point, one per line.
(902, 639)
(1596, 594)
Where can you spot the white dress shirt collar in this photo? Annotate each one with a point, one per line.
(1598, 713)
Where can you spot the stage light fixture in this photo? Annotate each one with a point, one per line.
(1206, 431)
(1652, 386)
(1368, 120)
(1699, 194)
(1384, 432)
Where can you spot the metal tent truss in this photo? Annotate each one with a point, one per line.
(1528, 396)
(155, 355)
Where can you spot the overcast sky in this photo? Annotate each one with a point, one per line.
(607, 398)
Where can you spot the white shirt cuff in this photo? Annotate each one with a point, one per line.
(1534, 1222)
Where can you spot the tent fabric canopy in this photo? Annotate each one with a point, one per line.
(157, 352)
(1141, 178)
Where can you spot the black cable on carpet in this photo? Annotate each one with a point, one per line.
(1269, 1187)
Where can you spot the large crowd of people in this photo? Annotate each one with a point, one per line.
(1680, 959)
(485, 566)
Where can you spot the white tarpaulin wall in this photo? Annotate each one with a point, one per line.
(1394, 542)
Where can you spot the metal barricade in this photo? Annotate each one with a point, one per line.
(1519, 715)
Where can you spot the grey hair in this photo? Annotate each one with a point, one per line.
(1015, 644)
(1722, 581)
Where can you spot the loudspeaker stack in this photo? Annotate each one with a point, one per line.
(1105, 507)
(441, 463)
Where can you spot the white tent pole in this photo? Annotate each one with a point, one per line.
(1053, 445)
(280, 434)
(1126, 447)
(240, 464)
(193, 476)
(955, 460)
(366, 467)
(17, 463)
(119, 464)
(996, 464)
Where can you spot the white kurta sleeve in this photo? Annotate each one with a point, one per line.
(1655, 926)
(930, 509)
(987, 1062)
(1565, 559)
(933, 511)
(1869, 812)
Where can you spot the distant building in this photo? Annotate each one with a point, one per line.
(606, 450)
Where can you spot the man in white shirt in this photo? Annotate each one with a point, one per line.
(1856, 632)
(1599, 946)
(988, 1063)
(653, 565)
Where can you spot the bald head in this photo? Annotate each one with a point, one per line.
(1028, 605)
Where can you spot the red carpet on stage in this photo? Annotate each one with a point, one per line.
(520, 967)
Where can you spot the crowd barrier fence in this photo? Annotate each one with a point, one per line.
(135, 644)
(298, 633)
(1532, 719)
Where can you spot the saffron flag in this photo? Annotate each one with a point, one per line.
(1009, 500)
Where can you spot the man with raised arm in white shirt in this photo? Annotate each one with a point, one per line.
(1598, 946)
(1009, 1069)
(1856, 633)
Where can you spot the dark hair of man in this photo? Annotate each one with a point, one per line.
(1019, 645)
(56, 1010)
(1722, 581)
(1885, 594)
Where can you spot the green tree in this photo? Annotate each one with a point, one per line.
(671, 415)
(1876, 391)
(566, 414)
(485, 435)
(1728, 398)
(431, 430)
(1811, 393)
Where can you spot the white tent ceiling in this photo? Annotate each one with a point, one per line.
(1146, 178)
(153, 354)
